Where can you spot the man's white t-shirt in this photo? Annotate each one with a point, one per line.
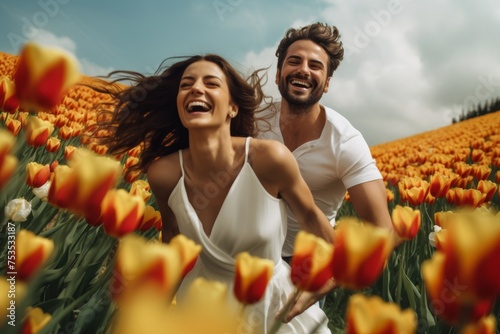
(339, 159)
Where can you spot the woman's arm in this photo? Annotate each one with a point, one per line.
(280, 174)
(163, 175)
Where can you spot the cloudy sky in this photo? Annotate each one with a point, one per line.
(410, 65)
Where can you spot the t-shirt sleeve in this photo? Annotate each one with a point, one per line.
(356, 164)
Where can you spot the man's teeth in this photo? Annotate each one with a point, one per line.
(301, 83)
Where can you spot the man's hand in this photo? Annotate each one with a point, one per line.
(304, 300)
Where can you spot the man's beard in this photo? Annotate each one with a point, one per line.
(299, 104)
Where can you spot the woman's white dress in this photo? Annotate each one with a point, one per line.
(250, 220)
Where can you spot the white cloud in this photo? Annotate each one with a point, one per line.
(48, 39)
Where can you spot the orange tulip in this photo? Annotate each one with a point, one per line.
(69, 151)
(150, 218)
(38, 131)
(35, 320)
(43, 76)
(143, 265)
(53, 144)
(439, 185)
(121, 212)
(251, 277)
(474, 197)
(481, 172)
(406, 221)
(485, 325)
(37, 174)
(372, 315)
(8, 99)
(311, 265)
(360, 253)
(13, 125)
(488, 188)
(188, 251)
(66, 132)
(32, 252)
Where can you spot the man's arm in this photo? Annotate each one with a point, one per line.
(369, 200)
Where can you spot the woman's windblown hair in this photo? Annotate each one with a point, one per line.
(143, 109)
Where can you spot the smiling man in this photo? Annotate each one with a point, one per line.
(332, 155)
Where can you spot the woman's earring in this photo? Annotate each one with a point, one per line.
(232, 114)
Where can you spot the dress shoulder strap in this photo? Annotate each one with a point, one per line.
(181, 162)
(247, 146)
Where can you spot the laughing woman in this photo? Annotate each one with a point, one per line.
(212, 181)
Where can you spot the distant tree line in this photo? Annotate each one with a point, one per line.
(479, 110)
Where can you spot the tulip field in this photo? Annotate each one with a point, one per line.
(80, 248)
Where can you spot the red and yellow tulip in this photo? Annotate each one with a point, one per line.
(38, 131)
(141, 265)
(311, 265)
(8, 99)
(360, 253)
(43, 76)
(121, 212)
(372, 315)
(188, 251)
(406, 221)
(37, 174)
(251, 277)
(32, 252)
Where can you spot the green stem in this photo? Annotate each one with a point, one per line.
(401, 272)
(288, 306)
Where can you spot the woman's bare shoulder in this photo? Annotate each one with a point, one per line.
(269, 156)
(163, 174)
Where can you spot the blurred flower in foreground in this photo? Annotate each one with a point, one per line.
(141, 264)
(188, 251)
(251, 277)
(32, 252)
(406, 221)
(17, 210)
(8, 162)
(204, 310)
(121, 212)
(372, 315)
(44, 75)
(35, 320)
(311, 265)
(462, 278)
(485, 325)
(8, 99)
(360, 253)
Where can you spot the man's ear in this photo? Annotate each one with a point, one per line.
(327, 85)
(276, 80)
